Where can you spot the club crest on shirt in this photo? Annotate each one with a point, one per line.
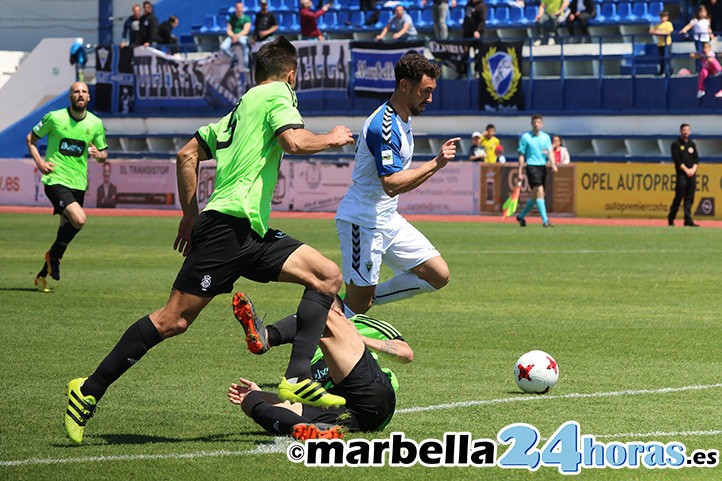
(206, 282)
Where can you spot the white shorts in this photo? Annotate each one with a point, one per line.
(399, 246)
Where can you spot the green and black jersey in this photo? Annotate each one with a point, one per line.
(367, 327)
(245, 144)
(68, 142)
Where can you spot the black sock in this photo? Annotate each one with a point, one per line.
(310, 322)
(133, 345)
(282, 332)
(66, 233)
(274, 419)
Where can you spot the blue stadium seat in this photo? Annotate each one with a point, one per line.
(210, 24)
(655, 8)
(530, 12)
(287, 21)
(606, 13)
(328, 20)
(427, 18)
(639, 10)
(252, 5)
(490, 16)
(343, 17)
(516, 16)
(384, 17)
(501, 15)
(455, 17)
(624, 11)
(358, 20)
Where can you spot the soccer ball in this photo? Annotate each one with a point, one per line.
(536, 372)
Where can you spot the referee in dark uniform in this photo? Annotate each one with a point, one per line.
(686, 160)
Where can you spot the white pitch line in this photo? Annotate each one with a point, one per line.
(546, 397)
(280, 444)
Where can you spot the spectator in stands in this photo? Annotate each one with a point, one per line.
(499, 151)
(560, 154)
(131, 27)
(663, 30)
(265, 26)
(309, 20)
(148, 32)
(489, 142)
(550, 15)
(474, 19)
(401, 25)
(716, 11)
(165, 33)
(236, 44)
(580, 12)
(708, 66)
(367, 5)
(440, 9)
(701, 30)
(476, 151)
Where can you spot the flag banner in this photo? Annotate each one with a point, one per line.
(500, 87)
(114, 79)
(373, 64)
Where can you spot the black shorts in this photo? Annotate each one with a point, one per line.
(370, 399)
(224, 248)
(536, 174)
(61, 197)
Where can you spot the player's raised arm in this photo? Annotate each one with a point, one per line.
(406, 180)
(305, 142)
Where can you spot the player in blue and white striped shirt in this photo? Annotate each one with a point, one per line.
(370, 229)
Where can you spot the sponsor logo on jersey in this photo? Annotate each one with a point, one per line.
(72, 147)
(387, 157)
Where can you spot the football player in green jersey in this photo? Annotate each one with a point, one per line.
(231, 238)
(74, 134)
(345, 364)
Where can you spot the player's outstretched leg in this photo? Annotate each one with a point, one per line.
(256, 337)
(80, 409)
(303, 431)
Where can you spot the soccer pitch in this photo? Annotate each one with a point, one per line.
(631, 314)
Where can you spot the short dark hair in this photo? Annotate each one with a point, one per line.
(490, 126)
(536, 116)
(413, 66)
(664, 13)
(275, 59)
(683, 126)
(147, 3)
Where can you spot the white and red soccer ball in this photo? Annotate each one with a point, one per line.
(536, 372)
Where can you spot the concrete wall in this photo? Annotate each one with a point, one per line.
(23, 24)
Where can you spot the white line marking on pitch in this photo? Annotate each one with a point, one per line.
(280, 444)
(546, 397)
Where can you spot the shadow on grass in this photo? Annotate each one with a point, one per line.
(130, 439)
(21, 289)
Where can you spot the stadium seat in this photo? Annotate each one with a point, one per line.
(384, 17)
(606, 13)
(624, 11)
(490, 16)
(501, 15)
(639, 11)
(251, 5)
(655, 8)
(530, 12)
(358, 20)
(288, 21)
(343, 21)
(427, 18)
(210, 24)
(347, 4)
(516, 16)
(328, 20)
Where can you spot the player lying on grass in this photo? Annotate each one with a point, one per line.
(344, 364)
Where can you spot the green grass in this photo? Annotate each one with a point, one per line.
(621, 308)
